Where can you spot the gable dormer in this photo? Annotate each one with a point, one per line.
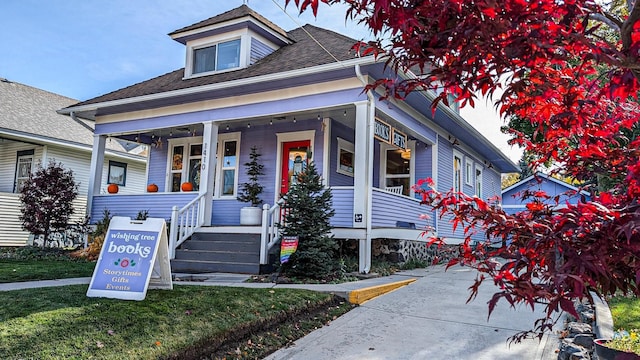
(233, 40)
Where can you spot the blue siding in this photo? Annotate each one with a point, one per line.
(258, 50)
(423, 162)
(158, 164)
(339, 130)
(552, 189)
(343, 204)
(406, 120)
(297, 104)
(159, 205)
(226, 212)
(491, 183)
(388, 209)
(376, 164)
(445, 165)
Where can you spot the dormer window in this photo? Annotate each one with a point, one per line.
(218, 57)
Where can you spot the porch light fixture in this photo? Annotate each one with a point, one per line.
(345, 113)
(248, 125)
(318, 117)
(294, 120)
(271, 122)
(227, 127)
(406, 154)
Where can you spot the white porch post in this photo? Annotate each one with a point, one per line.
(363, 180)
(95, 172)
(208, 170)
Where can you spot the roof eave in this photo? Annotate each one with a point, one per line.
(45, 140)
(217, 86)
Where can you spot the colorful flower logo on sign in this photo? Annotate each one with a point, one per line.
(125, 262)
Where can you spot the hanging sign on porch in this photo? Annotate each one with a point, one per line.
(288, 246)
(388, 134)
(134, 258)
(399, 139)
(382, 131)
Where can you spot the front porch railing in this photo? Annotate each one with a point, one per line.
(271, 219)
(185, 221)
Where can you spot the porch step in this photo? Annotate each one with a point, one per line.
(219, 252)
(196, 267)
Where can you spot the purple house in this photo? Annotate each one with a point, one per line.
(246, 82)
(567, 193)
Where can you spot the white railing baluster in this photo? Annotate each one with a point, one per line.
(184, 222)
(271, 218)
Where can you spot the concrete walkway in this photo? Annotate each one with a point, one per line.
(427, 319)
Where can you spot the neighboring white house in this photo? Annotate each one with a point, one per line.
(32, 133)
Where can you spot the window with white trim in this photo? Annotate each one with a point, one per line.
(346, 157)
(478, 180)
(457, 172)
(227, 174)
(184, 163)
(217, 57)
(468, 171)
(397, 167)
(24, 166)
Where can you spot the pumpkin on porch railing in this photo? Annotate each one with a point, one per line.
(152, 188)
(187, 186)
(112, 188)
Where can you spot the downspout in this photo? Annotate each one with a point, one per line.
(75, 118)
(369, 210)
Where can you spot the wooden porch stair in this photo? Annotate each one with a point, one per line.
(208, 252)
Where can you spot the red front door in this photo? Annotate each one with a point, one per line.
(294, 159)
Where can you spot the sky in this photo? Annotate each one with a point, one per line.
(85, 48)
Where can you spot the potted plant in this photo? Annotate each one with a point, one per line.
(251, 190)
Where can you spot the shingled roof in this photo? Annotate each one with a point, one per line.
(28, 111)
(304, 52)
(233, 14)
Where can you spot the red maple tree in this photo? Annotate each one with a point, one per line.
(569, 67)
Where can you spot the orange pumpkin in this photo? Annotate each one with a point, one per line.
(152, 188)
(187, 186)
(112, 188)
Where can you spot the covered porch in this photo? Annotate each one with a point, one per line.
(368, 158)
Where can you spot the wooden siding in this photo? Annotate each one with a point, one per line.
(343, 204)
(11, 233)
(158, 205)
(551, 187)
(339, 130)
(258, 50)
(445, 165)
(406, 120)
(8, 155)
(158, 164)
(226, 212)
(423, 162)
(389, 209)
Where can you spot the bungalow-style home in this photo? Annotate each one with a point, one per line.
(298, 97)
(512, 201)
(32, 133)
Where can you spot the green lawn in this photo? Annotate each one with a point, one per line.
(625, 311)
(12, 270)
(62, 323)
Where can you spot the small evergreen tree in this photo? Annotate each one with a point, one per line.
(307, 214)
(47, 200)
(252, 189)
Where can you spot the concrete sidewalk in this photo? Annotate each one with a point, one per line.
(427, 319)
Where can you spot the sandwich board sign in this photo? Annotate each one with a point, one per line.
(134, 258)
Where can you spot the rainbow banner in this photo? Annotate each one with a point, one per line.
(288, 246)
